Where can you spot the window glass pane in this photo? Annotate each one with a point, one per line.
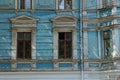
(20, 36)
(61, 36)
(27, 36)
(20, 49)
(22, 4)
(61, 4)
(27, 49)
(107, 47)
(65, 4)
(65, 45)
(27, 4)
(68, 36)
(24, 45)
(68, 49)
(107, 34)
(61, 49)
(68, 4)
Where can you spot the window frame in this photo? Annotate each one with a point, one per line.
(24, 46)
(106, 38)
(71, 7)
(65, 54)
(18, 5)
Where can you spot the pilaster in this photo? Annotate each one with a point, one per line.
(85, 44)
(99, 44)
(55, 55)
(74, 43)
(115, 39)
(55, 44)
(33, 33)
(14, 38)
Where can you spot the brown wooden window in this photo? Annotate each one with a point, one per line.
(107, 47)
(24, 45)
(65, 4)
(24, 4)
(65, 45)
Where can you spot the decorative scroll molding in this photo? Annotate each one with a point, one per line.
(64, 21)
(23, 22)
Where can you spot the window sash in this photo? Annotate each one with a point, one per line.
(24, 4)
(24, 45)
(65, 4)
(65, 45)
(107, 46)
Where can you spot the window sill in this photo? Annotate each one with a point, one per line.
(24, 10)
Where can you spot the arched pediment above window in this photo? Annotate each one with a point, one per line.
(64, 18)
(24, 21)
(64, 21)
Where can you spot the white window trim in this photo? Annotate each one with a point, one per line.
(65, 26)
(14, 42)
(115, 38)
(19, 25)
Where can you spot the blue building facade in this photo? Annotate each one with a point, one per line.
(74, 39)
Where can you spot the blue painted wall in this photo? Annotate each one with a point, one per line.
(93, 45)
(106, 23)
(92, 15)
(91, 4)
(5, 65)
(105, 12)
(44, 65)
(7, 4)
(91, 25)
(118, 11)
(44, 34)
